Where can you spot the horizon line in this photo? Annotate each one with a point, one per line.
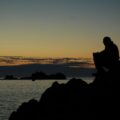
(60, 57)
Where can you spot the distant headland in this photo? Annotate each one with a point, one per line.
(38, 76)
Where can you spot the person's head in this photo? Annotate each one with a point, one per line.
(107, 41)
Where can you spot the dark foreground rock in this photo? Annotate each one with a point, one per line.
(74, 100)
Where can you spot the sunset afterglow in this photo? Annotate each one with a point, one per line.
(57, 28)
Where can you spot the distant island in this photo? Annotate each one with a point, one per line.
(10, 77)
(38, 76)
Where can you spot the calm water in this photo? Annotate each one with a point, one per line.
(15, 92)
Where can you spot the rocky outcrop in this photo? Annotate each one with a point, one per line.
(44, 76)
(10, 77)
(75, 100)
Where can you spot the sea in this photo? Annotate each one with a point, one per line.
(14, 92)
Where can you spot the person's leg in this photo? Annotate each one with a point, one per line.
(98, 61)
(96, 58)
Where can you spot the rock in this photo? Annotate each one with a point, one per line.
(74, 100)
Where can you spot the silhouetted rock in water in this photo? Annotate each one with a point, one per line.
(10, 77)
(25, 78)
(42, 75)
(75, 100)
(57, 76)
(39, 75)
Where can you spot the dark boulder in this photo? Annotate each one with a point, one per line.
(74, 100)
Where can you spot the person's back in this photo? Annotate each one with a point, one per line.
(111, 52)
(109, 57)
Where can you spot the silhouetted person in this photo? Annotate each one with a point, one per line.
(108, 58)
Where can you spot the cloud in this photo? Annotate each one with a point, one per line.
(70, 62)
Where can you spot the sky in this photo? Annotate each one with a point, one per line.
(57, 28)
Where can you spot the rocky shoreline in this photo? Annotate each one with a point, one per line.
(74, 100)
